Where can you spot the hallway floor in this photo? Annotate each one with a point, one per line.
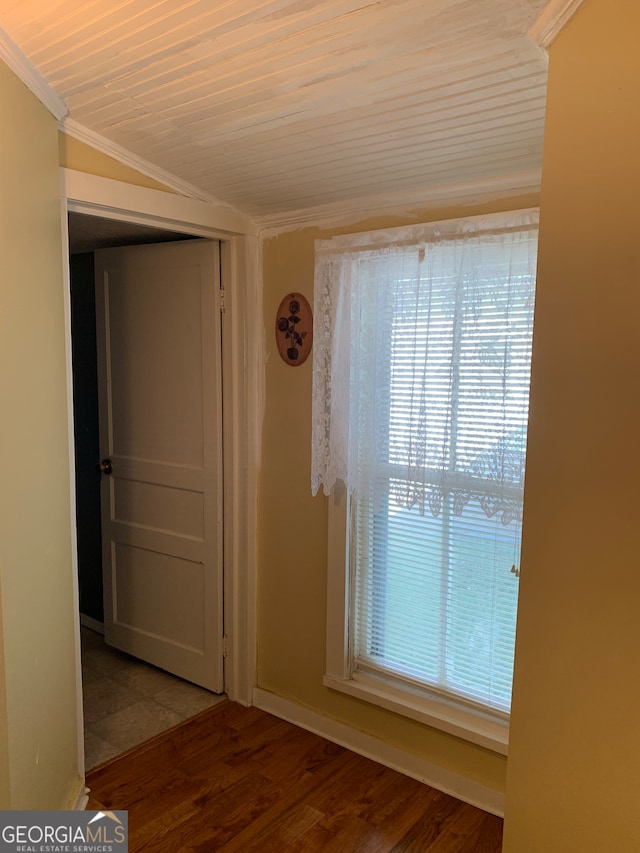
(127, 701)
(235, 780)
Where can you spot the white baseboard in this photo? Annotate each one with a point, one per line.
(397, 759)
(81, 800)
(91, 623)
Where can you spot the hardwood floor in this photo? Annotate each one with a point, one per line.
(238, 779)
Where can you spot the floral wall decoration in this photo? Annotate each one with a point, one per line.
(294, 329)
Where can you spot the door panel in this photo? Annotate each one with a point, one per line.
(159, 507)
(179, 593)
(158, 323)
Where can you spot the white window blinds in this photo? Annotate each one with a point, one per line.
(421, 384)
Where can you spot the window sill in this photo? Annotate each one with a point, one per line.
(446, 715)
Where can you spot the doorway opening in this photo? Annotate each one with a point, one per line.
(125, 700)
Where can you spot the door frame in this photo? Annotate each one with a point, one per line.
(242, 343)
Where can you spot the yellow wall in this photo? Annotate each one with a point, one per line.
(35, 546)
(77, 155)
(292, 546)
(5, 778)
(574, 764)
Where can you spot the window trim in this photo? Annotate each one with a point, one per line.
(483, 728)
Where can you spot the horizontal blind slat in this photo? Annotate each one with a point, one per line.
(434, 593)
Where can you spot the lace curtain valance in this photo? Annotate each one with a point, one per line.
(421, 362)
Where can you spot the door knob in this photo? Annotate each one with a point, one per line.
(105, 466)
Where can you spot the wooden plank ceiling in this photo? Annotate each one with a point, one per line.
(276, 106)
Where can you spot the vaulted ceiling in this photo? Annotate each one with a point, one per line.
(281, 106)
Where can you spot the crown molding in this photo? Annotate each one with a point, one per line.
(554, 17)
(127, 158)
(402, 203)
(31, 77)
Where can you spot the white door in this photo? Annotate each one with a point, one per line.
(159, 376)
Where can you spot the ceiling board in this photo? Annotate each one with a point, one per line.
(274, 106)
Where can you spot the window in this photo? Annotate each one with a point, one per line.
(421, 386)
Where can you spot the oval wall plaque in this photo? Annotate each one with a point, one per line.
(294, 329)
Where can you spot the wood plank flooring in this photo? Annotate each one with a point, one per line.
(239, 779)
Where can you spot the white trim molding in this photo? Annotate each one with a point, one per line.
(31, 77)
(552, 20)
(73, 543)
(446, 716)
(403, 202)
(82, 800)
(98, 196)
(361, 743)
(127, 158)
(243, 359)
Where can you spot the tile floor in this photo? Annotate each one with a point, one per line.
(127, 701)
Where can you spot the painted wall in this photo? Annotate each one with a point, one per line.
(5, 778)
(292, 530)
(38, 638)
(574, 764)
(78, 155)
